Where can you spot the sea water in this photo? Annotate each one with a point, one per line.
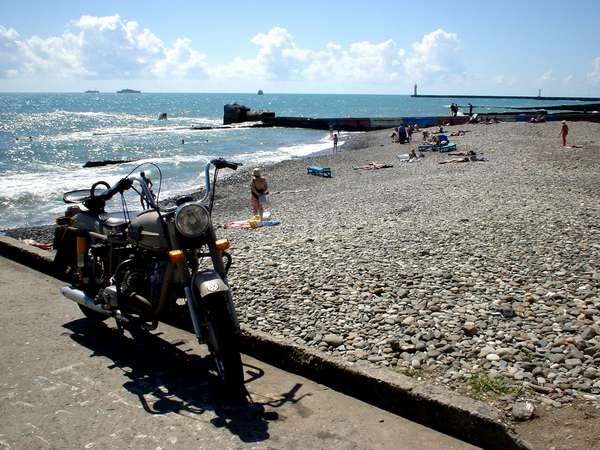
(46, 138)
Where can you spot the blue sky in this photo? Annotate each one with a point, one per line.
(508, 47)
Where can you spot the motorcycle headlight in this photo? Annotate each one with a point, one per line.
(192, 219)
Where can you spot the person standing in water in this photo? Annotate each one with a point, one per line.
(259, 191)
(564, 131)
(148, 182)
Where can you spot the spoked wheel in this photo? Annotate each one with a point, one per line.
(223, 343)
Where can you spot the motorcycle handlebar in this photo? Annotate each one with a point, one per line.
(122, 185)
(222, 163)
(219, 163)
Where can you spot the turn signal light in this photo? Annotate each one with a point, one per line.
(176, 256)
(222, 244)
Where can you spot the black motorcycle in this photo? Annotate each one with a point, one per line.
(147, 268)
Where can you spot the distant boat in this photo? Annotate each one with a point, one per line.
(260, 92)
(128, 91)
(91, 91)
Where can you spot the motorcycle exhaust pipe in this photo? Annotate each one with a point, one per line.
(79, 297)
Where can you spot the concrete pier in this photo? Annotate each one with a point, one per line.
(518, 97)
(241, 114)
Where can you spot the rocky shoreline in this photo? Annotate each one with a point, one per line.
(483, 276)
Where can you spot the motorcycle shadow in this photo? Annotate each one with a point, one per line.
(167, 379)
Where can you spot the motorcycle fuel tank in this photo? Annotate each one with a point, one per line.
(148, 231)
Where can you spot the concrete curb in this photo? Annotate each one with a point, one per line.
(469, 420)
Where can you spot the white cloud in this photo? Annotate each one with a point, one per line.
(280, 58)
(111, 47)
(10, 57)
(181, 61)
(594, 76)
(548, 75)
(568, 79)
(99, 47)
(438, 53)
(504, 80)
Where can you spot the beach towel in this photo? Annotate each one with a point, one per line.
(405, 157)
(373, 166)
(246, 224)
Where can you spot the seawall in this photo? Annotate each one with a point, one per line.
(518, 97)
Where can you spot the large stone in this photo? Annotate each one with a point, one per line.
(522, 411)
(470, 328)
(572, 362)
(333, 339)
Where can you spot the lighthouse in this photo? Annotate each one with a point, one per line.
(415, 93)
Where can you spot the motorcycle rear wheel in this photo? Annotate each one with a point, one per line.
(91, 314)
(223, 343)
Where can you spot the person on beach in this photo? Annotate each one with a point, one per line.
(470, 109)
(564, 131)
(410, 130)
(470, 156)
(402, 135)
(148, 182)
(259, 191)
(335, 142)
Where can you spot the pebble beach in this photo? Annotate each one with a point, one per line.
(443, 272)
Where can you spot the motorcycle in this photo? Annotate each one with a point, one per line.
(145, 269)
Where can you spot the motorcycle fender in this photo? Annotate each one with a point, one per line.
(208, 283)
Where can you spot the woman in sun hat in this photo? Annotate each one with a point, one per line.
(259, 190)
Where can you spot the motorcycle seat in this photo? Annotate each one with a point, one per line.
(113, 220)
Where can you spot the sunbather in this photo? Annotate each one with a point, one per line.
(373, 166)
(470, 156)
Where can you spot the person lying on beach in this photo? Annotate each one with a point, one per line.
(373, 166)
(458, 133)
(470, 156)
(36, 244)
(540, 118)
(433, 139)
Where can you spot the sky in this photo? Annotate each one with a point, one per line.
(347, 47)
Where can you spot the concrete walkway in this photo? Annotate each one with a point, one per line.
(66, 383)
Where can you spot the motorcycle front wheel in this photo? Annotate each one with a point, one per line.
(223, 343)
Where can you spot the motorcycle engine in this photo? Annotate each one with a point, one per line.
(135, 281)
(145, 280)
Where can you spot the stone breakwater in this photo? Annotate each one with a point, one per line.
(446, 272)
